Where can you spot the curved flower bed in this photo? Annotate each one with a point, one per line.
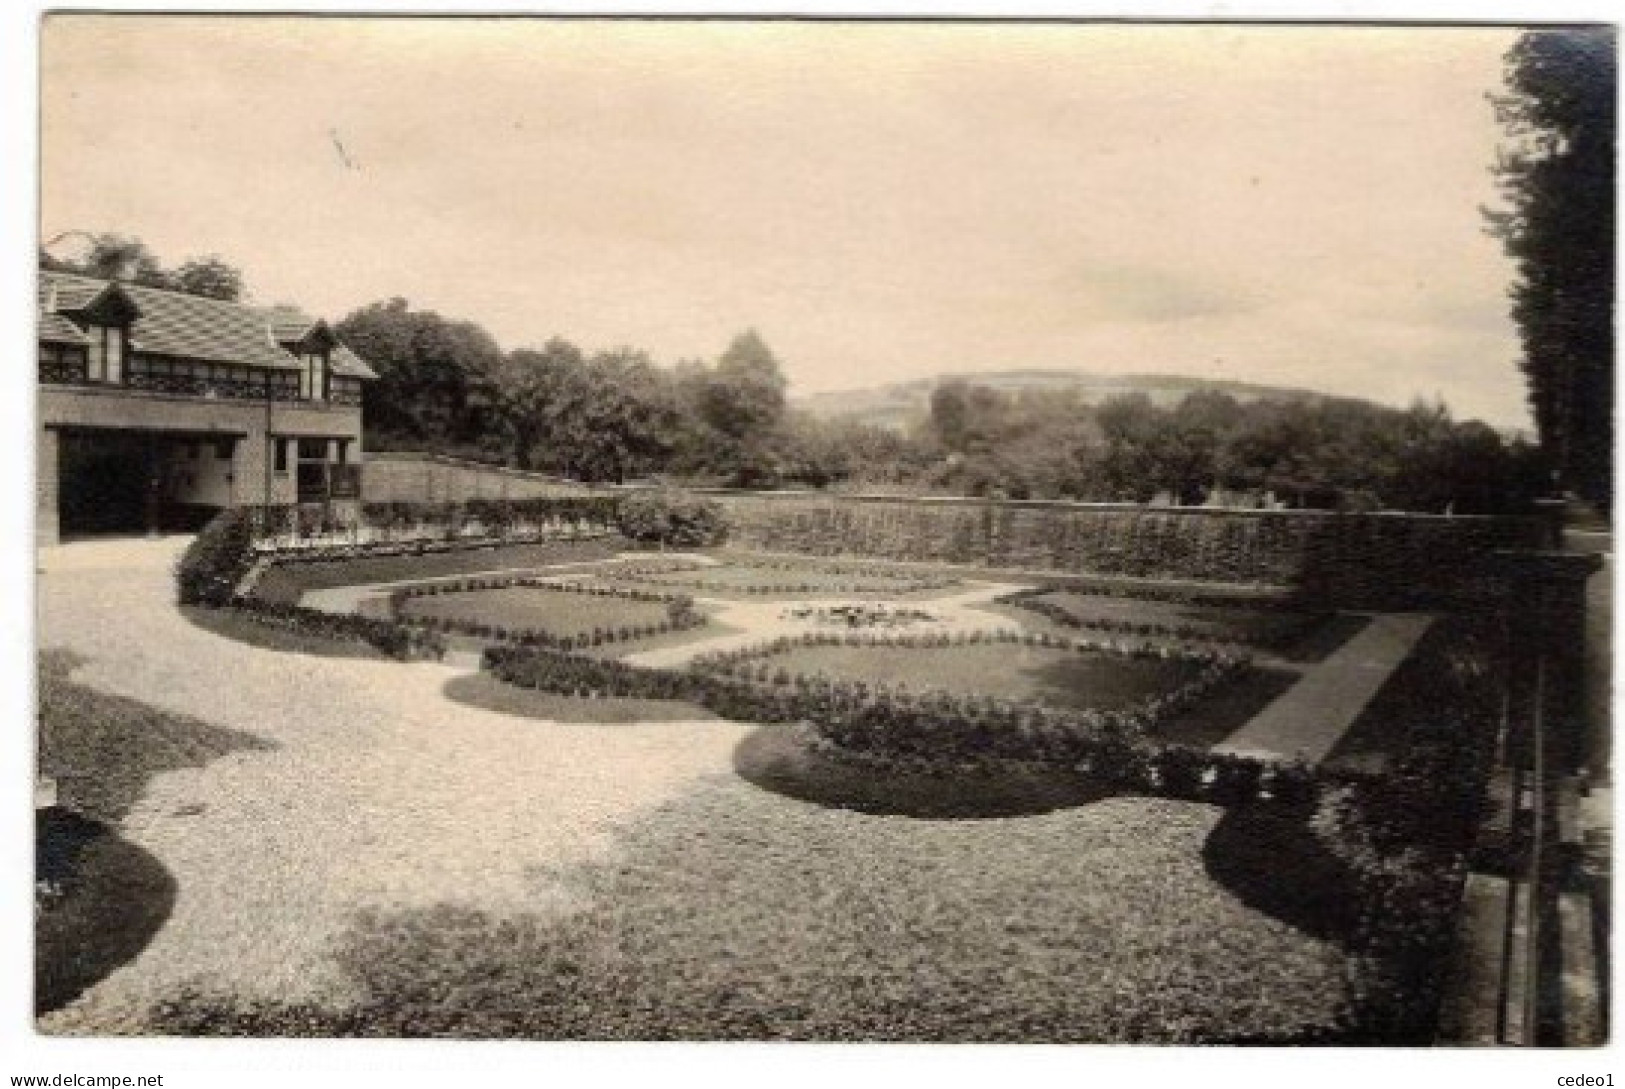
(1284, 635)
(680, 612)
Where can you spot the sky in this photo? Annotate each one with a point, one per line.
(1289, 205)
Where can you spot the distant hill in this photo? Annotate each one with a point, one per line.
(897, 405)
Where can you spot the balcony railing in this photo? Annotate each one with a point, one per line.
(77, 373)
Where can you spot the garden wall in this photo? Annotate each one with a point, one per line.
(1389, 559)
(432, 478)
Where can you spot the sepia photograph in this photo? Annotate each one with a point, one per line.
(846, 530)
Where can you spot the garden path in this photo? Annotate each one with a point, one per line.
(379, 793)
(1308, 719)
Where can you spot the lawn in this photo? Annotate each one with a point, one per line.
(737, 913)
(1062, 678)
(286, 583)
(537, 608)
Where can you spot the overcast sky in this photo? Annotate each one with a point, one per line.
(1287, 205)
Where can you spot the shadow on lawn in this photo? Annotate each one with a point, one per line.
(1268, 857)
(776, 759)
(108, 899)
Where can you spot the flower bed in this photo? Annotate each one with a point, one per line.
(859, 616)
(766, 577)
(679, 612)
(1279, 628)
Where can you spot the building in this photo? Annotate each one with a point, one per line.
(158, 408)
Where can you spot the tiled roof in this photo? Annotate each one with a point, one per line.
(190, 326)
(289, 325)
(56, 329)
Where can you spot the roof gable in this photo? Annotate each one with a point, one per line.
(189, 326)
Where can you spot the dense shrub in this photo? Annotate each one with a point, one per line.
(217, 560)
(672, 519)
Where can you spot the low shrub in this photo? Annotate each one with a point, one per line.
(672, 519)
(404, 642)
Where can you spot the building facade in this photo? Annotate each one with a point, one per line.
(158, 408)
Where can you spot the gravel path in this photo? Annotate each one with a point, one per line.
(380, 793)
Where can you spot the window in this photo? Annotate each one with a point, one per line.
(98, 354)
(281, 455)
(115, 353)
(344, 452)
(313, 382)
(106, 353)
(312, 449)
(223, 449)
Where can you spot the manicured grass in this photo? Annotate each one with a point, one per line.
(242, 627)
(736, 913)
(1061, 678)
(536, 608)
(1226, 709)
(102, 749)
(285, 584)
(485, 691)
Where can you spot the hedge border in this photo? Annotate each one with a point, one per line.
(1032, 601)
(680, 612)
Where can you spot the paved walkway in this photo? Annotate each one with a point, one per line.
(379, 793)
(1309, 719)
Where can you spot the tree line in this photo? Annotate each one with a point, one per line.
(615, 415)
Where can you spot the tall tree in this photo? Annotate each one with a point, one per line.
(120, 257)
(433, 374)
(210, 277)
(1557, 176)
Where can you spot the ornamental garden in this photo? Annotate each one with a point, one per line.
(972, 800)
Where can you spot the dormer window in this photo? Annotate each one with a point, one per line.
(313, 379)
(107, 352)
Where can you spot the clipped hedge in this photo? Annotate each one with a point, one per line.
(905, 728)
(403, 642)
(1395, 559)
(681, 615)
